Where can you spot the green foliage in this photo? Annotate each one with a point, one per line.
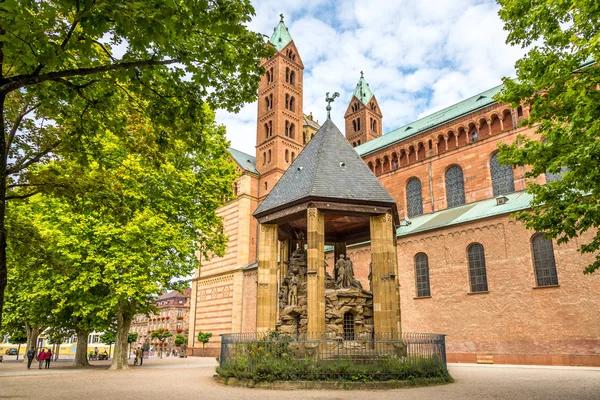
(108, 337)
(161, 334)
(18, 337)
(204, 337)
(65, 94)
(180, 340)
(132, 337)
(565, 109)
(274, 360)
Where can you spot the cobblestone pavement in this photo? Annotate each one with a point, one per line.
(175, 378)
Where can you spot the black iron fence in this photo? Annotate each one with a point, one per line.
(373, 357)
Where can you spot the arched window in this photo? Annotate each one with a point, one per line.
(293, 78)
(358, 124)
(269, 77)
(266, 186)
(348, 326)
(287, 74)
(269, 157)
(287, 101)
(374, 125)
(477, 271)
(455, 186)
(264, 158)
(287, 156)
(270, 128)
(373, 107)
(266, 131)
(354, 125)
(502, 177)
(414, 198)
(543, 260)
(287, 128)
(235, 189)
(292, 103)
(422, 275)
(353, 144)
(292, 129)
(359, 142)
(293, 156)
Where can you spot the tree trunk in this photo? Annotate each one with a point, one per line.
(81, 353)
(32, 335)
(3, 161)
(57, 351)
(109, 349)
(18, 350)
(120, 357)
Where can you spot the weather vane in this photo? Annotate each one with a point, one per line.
(329, 100)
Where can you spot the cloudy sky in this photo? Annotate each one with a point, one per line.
(418, 56)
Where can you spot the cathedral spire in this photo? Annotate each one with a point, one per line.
(281, 35)
(363, 91)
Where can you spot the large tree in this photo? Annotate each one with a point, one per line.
(558, 79)
(62, 63)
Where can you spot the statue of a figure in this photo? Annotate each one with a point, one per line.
(340, 272)
(283, 296)
(349, 272)
(293, 291)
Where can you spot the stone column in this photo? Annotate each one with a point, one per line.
(316, 275)
(266, 302)
(384, 258)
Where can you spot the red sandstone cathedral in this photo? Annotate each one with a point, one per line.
(466, 268)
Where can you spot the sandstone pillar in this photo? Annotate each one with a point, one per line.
(266, 302)
(316, 273)
(386, 305)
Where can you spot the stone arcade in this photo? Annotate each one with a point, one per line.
(330, 197)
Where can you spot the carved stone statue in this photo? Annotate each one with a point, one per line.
(340, 272)
(349, 272)
(293, 291)
(283, 296)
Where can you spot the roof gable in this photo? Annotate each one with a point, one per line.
(243, 160)
(327, 168)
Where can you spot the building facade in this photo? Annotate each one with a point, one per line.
(173, 313)
(466, 268)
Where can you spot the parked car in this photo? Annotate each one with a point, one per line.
(11, 352)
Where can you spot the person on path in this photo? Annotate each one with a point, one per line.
(138, 356)
(30, 356)
(142, 357)
(48, 358)
(41, 357)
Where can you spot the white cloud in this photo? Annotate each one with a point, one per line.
(418, 55)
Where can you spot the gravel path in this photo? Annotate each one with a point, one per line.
(191, 378)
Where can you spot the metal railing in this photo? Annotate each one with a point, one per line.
(332, 357)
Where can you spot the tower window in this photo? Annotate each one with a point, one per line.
(293, 156)
(287, 128)
(270, 128)
(270, 76)
(269, 158)
(287, 74)
(269, 102)
(292, 103)
(373, 106)
(358, 124)
(292, 133)
(348, 326)
(287, 156)
(264, 158)
(266, 186)
(354, 125)
(359, 142)
(293, 78)
(477, 270)
(266, 131)
(353, 144)
(287, 101)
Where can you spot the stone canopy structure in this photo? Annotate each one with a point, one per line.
(328, 196)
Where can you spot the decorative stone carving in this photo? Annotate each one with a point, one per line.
(293, 291)
(349, 273)
(340, 271)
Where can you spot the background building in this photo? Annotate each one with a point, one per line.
(468, 269)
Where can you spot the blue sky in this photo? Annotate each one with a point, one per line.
(418, 56)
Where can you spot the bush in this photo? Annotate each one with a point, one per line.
(279, 358)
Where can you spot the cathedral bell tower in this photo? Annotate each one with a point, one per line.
(363, 116)
(279, 135)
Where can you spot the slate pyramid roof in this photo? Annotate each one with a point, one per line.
(281, 36)
(363, 91)
(330, 169)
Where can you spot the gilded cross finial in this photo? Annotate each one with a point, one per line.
(281, 16)
(330, 100)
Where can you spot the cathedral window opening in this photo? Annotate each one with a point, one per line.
(293, 78)
(269, 157)
(287, 75)
(270, 128)
(414, 198)
(374, 128)
(270, 76)
(266, 131)
(451, 142)
(373, 107)
(543, 261)
(353, 144)
(484, 129)
(441, 144)
(474, 136)
(359, 142)
(395, 163)
(477, 270)
(235, 189)
(348, 326)
(287, 128)
(266, 186)
(354, 125)
(503, 181)
(358, 124)
(287, 156)
(264, 158)
(292, 103)
(455, 186)
(287, 101)
(495, 126)
(292, 131)
(422, 275)
(430, 144)
(293, 156)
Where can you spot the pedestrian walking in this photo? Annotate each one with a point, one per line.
(138, 356)
(142, 357)
(48, 358)
(41, 357)
(30, 356)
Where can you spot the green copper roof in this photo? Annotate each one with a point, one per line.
(281, 36)
(466, 213)
(363, 91)
(437, 118)
(245, 161)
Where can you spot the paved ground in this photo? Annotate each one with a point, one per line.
(191, 378)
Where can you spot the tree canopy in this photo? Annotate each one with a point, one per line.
(559, 80)
(67, 66)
